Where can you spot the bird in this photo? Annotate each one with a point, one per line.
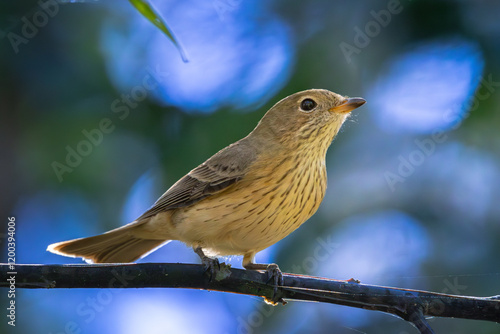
(243, 199)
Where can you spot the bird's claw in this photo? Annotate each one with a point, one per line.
(212, 266)
(275, 276)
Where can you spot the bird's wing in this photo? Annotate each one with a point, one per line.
(222, 170)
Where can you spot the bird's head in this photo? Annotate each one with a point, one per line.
(310, 117)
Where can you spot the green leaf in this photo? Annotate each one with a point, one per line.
(148, 11)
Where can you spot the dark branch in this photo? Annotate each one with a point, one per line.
(411, 305)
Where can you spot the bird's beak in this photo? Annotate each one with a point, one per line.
(348, 105)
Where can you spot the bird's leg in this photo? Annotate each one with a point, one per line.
(274, 274)
(212, 265)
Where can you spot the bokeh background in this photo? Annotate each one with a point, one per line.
(100, 115)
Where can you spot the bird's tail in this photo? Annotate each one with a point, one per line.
(116, 246)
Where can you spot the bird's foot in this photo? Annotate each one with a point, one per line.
(274, 276)
(212, 265)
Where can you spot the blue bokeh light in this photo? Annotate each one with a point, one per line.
(170, 311)
(460, 185)
(238, 57)
(428, 88)
(376, 248)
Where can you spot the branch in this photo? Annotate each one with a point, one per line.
(411, 305)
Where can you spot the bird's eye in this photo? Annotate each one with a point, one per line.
(307, 105)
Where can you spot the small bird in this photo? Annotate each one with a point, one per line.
(245, 198)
